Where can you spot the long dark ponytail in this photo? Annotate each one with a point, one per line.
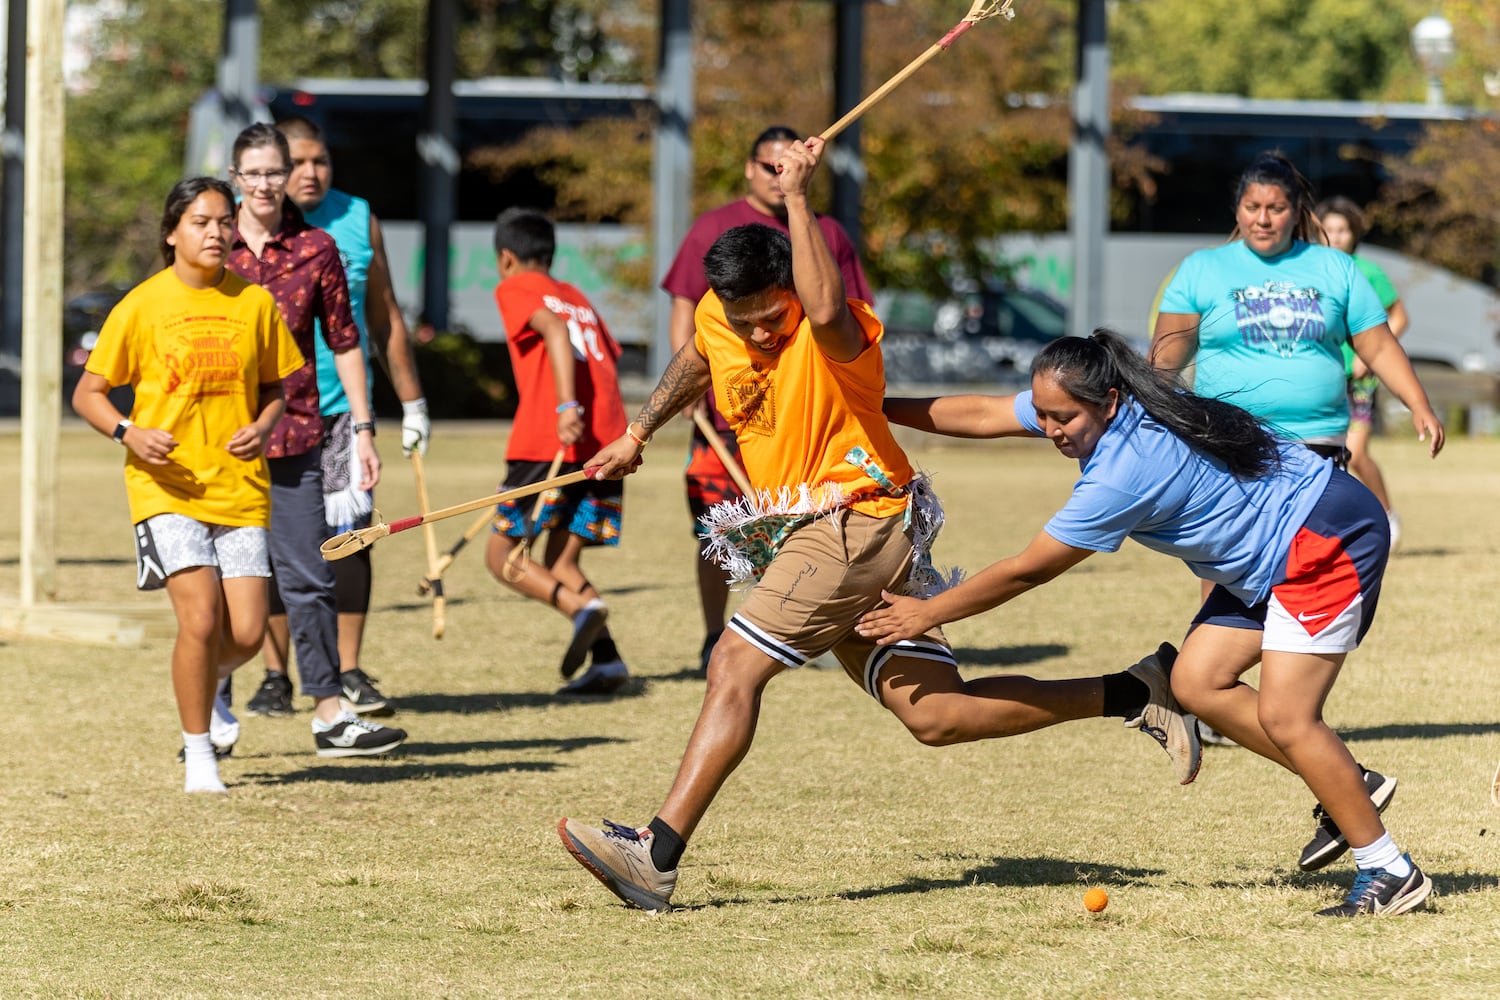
(1086, 368)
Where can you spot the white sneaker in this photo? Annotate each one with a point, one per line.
(1395, 520)
(223, 728)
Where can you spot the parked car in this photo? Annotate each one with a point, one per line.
(83, 315)
(982, 334)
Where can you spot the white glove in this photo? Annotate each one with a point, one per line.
(416, 427)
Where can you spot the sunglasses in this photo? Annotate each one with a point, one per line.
(769, 168)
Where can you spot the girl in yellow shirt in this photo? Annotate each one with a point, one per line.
(205, 353)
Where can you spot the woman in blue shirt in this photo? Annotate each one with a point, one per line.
(1294, 548)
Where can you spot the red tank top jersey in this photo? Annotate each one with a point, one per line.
(533, 436)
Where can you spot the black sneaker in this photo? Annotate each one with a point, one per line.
(360, 694)
(1378, 893)
(274, 698)
(600, 678)
(1328, 844)
(709, 642)
(351, 736)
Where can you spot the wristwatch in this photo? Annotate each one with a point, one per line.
(119, 434)
(365, 425)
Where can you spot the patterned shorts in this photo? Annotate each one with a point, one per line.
(1362, 399)
(169, 543)
(708, 482)
(593, 509)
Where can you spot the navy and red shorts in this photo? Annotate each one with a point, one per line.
(1324, 599)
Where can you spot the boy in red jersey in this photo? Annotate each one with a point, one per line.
(564, 363)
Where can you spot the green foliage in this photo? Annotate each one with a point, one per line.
(1295, 49)
(1441, 205)
(127, 129)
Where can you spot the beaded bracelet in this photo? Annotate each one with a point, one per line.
(571, 404)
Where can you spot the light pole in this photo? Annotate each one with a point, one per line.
(1432, 41)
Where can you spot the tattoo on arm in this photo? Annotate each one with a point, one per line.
(686, 378)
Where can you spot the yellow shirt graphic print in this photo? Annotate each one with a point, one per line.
(797, 415)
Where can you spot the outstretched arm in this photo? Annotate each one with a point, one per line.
(685, 380)
(957, 416)
(909, 617)
(1378, 349)
(820, 286)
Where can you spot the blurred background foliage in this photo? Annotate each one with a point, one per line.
(968, 149)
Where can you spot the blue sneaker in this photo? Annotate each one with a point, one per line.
(1378, 893)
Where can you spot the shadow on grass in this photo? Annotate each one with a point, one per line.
(1434, 553)
(1008, 656)
(77, 561)
(388, 772)
(437, 703)
(1444, 884)
(1420, 730)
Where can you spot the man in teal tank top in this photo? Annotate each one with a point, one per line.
(361, 245)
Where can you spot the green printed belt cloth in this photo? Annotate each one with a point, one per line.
(745, 534)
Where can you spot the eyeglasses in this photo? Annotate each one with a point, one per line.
(769, 168)
(254, 178)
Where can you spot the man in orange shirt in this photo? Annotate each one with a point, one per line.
(839, 520)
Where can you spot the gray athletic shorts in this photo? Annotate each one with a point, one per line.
(168, 543)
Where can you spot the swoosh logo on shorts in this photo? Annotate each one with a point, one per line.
(1303, 616)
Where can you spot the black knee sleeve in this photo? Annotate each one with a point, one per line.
(351, 583)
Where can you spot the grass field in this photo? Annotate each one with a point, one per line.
(842, 860)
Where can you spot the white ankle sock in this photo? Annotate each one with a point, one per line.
(202, 767)
(1383, 854)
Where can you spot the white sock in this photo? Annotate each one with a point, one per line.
(202, 767)
(1383, 854)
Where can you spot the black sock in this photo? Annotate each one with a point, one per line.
(1125, 695)
(666, 846)
(603, 650)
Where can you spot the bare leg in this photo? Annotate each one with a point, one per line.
(244, 627)
(535, 580)
(1206, 680)
(1294, 687)
(713, 592)
(197, 602)
(1362, 465)
(940, 708)
(275, 649)
(737, 674)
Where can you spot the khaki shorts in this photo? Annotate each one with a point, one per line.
(827, 575)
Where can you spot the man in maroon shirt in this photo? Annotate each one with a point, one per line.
(708, 482)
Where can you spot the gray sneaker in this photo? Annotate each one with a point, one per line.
(1328, 842)
(620, 857)
(1163, 719)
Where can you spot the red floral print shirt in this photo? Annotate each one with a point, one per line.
(301, 268)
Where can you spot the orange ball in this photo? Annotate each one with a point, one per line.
(1095, 900)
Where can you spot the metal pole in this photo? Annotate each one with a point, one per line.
(437, 147)
(239, 68)
(848, 73)
(12, 193)
(1088, 168)
(672, 174)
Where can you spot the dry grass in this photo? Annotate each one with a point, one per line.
(843, 859)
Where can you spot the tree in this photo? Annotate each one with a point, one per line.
(1295, 49)
(150, 61)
